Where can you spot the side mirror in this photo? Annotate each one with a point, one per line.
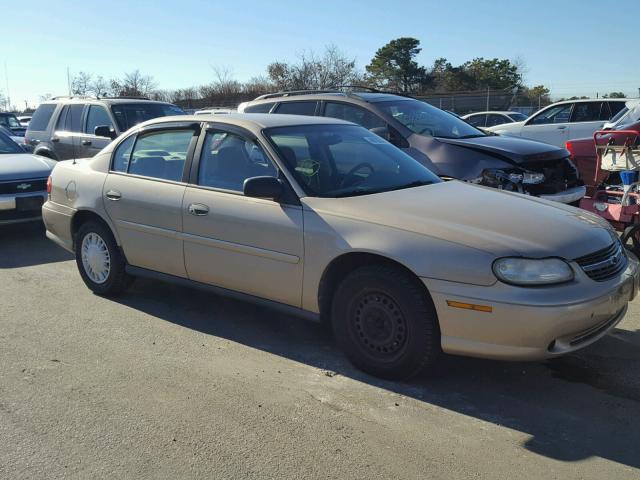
(263, 187)
(382, 132)
(104, 131)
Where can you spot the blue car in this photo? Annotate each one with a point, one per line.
(23, 182)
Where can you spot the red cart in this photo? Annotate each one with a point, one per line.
(617, 155)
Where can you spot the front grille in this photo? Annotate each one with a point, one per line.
(604, 264)
(23, 186)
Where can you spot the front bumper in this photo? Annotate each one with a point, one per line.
(532, 323)
(568, 196)
(18, 208)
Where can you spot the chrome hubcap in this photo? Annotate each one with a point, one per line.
(95, 258)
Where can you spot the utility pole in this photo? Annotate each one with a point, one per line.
(68, 81)
(488, 89)
(6, 79)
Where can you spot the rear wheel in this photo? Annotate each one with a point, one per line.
(99, 260)
(385, 322)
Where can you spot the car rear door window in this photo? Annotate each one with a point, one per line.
(495, 119)
(557, 114)
(297, 108)
(477, 120)
(70, 119)
(161, 154)
(586, 112)
(97, 117)
(42, 115)
(228, 159)
(354, 114)
(259, 108)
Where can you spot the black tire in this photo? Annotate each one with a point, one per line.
(117, 280)
(631, 238)
(385, 322)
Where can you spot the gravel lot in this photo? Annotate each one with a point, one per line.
(167, 382)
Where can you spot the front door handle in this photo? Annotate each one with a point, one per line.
(55, 139)
(113, 195)
(562, 127)
(198, 209)
(86, 142)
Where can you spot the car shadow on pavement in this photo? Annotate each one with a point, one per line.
(576, 407)
(25, 244)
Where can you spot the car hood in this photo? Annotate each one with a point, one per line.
(499, 223)
(22, 166)
(517, 150)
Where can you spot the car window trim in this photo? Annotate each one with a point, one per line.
(291, 198)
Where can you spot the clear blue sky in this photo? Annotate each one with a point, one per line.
(573, 46)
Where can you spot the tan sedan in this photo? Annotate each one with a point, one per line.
(322, 218)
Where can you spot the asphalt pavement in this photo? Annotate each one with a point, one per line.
(169, 382)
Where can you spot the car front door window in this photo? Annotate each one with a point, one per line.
(228, 159)
(97, 117)
(557, 114)
(353, 114)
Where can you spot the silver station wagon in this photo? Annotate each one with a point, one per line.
(322, 218)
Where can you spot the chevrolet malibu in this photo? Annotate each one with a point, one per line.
(322, 218)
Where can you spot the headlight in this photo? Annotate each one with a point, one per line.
(529, 271)
(532, 178)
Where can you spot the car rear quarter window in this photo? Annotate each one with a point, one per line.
(161, 154)
(42, 115)
(122, 155)
(259, 108)
(297, 108)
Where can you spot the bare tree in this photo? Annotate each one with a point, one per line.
(99, 87)
(330, 70)
(81, 83)
(134, 84)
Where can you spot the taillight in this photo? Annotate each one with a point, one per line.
(569, 146)
(48, 185)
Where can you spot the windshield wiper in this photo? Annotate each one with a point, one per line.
(475, 135)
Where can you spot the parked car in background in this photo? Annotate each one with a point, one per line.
(77, 127)
(19, 140)
(445, 144)
(562, 121)
(321, 217)
(24, 120)
(23, 182)
(215, 111)
(493, 118)
(583, 150)
(10, 121)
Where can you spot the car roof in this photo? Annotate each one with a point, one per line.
(250, 121)
(583, 100)
(500, 112)
(118, 100)
(369, 97)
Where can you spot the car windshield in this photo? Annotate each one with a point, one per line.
(130, 114)
(626, 117)
(9, 121)
(345, 160)
(9, 146)
(422, 118)
(517, 116)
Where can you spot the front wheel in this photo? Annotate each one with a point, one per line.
(385, 322)
(99, 260)
(631, 238)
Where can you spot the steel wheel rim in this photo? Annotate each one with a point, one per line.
(379, 326)
(96, 259)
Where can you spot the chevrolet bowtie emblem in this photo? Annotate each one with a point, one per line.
(23, 186)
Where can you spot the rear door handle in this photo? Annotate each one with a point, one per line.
(113, 195)
(198, 209)
(86, 142)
